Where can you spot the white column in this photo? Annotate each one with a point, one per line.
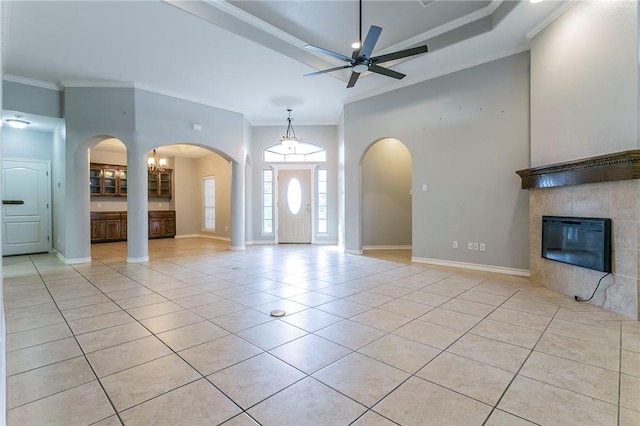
(137, 206)
(237, 206)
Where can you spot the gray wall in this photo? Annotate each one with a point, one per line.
(32, 99)
(27, 144)
(584, 83)
(386, 198)
(467, 133)
(325, 136)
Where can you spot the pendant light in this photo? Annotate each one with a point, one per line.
(289, 140)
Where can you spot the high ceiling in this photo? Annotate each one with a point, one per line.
(249, 56)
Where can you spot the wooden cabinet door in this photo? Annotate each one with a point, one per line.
(109, 182)
(122, 183)
(95, 174)
(155, 227)
(164, 190)
(112, 229)
(169, 227)
(98, 230)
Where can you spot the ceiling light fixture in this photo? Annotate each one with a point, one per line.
(17, 123)
(156, 164)
(535, 1)
(289, 140)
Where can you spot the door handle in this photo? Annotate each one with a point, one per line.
(13, 202)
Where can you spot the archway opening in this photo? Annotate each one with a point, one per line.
(386, 204)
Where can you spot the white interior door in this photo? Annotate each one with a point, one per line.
(25, 207)
(294, 206)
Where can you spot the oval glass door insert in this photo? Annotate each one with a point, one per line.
(294, 196)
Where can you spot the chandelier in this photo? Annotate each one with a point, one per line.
(289, 140)
(156, 164)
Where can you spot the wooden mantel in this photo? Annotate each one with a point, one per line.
(623, 165)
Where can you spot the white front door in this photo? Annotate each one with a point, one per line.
(294, 206)
(25, 207)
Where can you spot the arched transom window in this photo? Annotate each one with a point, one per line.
(303, 152)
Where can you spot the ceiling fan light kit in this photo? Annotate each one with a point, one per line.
(361, 59)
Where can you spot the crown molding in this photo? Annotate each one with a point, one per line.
(97, 84)
(30, 82)
(555, 14)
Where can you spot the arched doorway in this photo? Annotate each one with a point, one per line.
(386, 203)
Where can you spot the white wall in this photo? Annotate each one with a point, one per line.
(584, 83)
(467, 132)
(386, 198)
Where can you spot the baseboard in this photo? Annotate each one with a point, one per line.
(237, 248)
(326, 242)
(211, 237)
(72, 261)
(390, 247)
(137, 259)
(473, 266)
(350, 251)
(259, 242)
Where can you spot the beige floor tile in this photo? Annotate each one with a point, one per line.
(600, 335)
(65, 408)
(41, 382)
(468, 377)
(99, 322)
(26, 302)
(381, 319)
(500, 418)
(198, 403)
(532, 307)
(117, 358)
(495, 288)
(217, 309)
(350, 334)
(138, 384)
(630, 363)
(587, 380)
(629, 417)
(359, 377)
(41, 355)
(218, 354)
(241, 320)
(112, 336)
(251, 381)
(344, 308)
(197, 300)
(426, 298)
(242, 419)
(508, 333)
(418, 402)
(157, 309)
(36, 321)
(579, 350)
(144, 300)
(109, 421)
(171, 321)
(307, 402)
(481, 297)
(452, 319)
(29, 311)
(136, 291)
(371, 418)
(90, 311)
(271, 334)
(630, 392)
(631, 342)
(523, 319)
(407, 308)
(547, 404)
(370, 298)
(37, 336)
(82, 301)
(311, 319)
(443, 290)
(498, 354)
(310, 353)
(290, 307)
(192, 335)
(429, 334)
(467, 307)
(312, 298)
(401, 353)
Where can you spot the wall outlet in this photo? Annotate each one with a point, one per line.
(475, 246)
(424, 186)
(483, 247)
(455, 244)
(469, 246)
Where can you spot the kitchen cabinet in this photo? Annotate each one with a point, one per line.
(112, 226)
(111, 181)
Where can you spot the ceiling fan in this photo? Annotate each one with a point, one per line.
(361, 59)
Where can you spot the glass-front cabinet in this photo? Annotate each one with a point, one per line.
(112, 181)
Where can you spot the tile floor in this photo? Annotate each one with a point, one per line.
(187, 339)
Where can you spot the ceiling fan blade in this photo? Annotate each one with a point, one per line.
(326, 71)
(400, 54)
(353, 79)
(328, 52)
(370, 41)
(385, 71)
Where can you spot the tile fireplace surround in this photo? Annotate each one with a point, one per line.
(606, 186)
